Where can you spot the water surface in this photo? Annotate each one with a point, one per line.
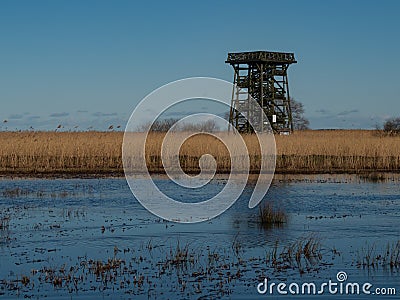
(90, 238)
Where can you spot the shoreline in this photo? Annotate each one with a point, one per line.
(18, 174)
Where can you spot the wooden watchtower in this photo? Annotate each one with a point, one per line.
(263, 76)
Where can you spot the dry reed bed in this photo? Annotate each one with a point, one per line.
(100, 152)
(60, 151)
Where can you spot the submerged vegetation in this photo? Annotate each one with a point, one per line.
(370, 257)
(4, 229)
(190, 271)
(4, 222)
(303, 254)
(308, 151)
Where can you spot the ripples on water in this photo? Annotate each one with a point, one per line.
(67, 225)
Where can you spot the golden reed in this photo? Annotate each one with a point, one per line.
(313, 151)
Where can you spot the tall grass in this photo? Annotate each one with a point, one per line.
(338, 151)
(41, 152)
(321, 151)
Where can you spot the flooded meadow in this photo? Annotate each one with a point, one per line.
(91, 239)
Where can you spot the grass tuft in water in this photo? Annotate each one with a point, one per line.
(370, 257)
(4, 222)
(268, 215)
(303, 254)
(374, 177)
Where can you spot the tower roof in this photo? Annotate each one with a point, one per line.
(261, 57)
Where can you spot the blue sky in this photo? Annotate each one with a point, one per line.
(87, 63)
